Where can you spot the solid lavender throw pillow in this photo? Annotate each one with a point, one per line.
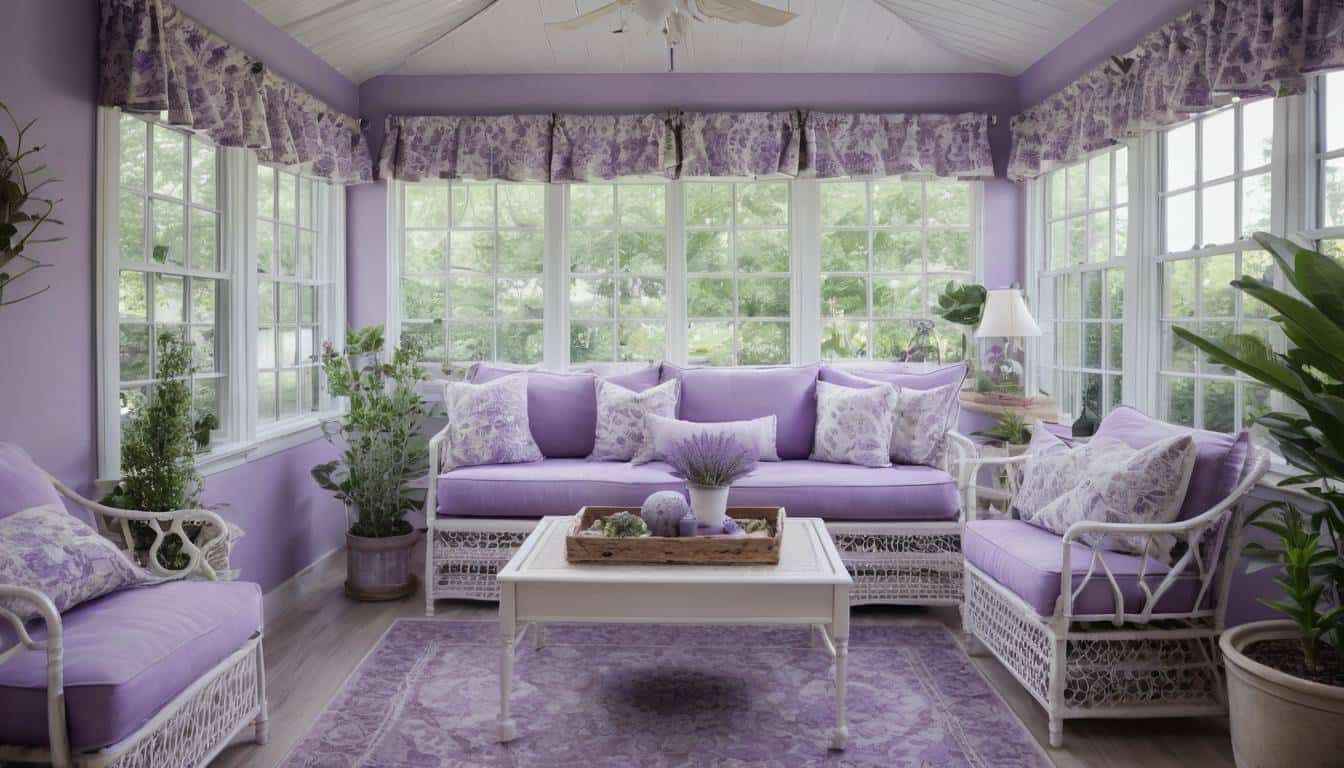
(854, 425)
(47, 549)
(488, 424)
(621, 431)
(1126, 485)
(22, 483)
(757, 435)
(562, 407)
(1219, 456)
(788, 393)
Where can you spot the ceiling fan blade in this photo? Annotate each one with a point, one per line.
(747, 11)
(579, 22)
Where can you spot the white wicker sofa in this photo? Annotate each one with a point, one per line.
(898, 529)
(1091, 632)
(163, 675)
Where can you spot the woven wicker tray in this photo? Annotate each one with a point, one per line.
(691, 550)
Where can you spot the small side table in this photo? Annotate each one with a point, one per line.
(1042, 408)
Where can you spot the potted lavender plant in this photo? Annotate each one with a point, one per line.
(710, 464)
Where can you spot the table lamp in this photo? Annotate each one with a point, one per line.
(1006, 316)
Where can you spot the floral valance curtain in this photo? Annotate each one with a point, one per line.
(604, 147)
(506, 147)
(859, 145)
(784, 144)
(154, 58)
(1219, 50)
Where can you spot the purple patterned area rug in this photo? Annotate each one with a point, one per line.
(611, 696)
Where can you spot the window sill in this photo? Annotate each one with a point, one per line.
(276, 439)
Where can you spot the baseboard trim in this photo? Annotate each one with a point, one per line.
(287, 593)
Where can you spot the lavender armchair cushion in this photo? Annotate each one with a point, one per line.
(48, 549)
(127, 656)
(1028, 561)
(1219, 456)
(23, 484)
(562, 407)
(788, 393)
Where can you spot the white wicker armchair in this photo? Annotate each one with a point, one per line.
(193, 728)
(1151, 662)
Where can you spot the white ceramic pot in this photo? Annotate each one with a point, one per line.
(709, 504)
(1278, 719)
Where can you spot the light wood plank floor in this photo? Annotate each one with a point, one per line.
(316, 637)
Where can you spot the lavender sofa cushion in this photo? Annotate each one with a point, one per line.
(126, 656)
(805, 488)
(23, 484)
(898, 374)
(1028, 561)
(739, 394)
(562, 407)
(1219, 456)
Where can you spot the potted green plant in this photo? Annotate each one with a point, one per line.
(1286, 677)
(1011, 431)
(23, 212)
(158, 452)
(383, 455)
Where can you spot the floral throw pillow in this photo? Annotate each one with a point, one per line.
(854, 425)
(1051, 469)
(621, 431)
(47, 549)
(1121, 484)
(923, 419)
(488, 423)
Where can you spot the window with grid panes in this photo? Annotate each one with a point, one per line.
(1215, 192)
(472, 264)
(888, 248)
(617, 279)
(738, 273)
(1082, 320)
(1329, 213)
(171, 276)
(290, 283)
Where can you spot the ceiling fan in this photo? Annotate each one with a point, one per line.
(673, 17)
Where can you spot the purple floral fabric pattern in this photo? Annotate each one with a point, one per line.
(854, 426)
(740, 144)
(1123, 485)
(47, 549)
(865, 144)
(506, 147)
(621, 428)
(1219, 49)
(922, 423)
(604, 147)
(488, 423)
(1051, 470)
(664, 696)
(154, 58)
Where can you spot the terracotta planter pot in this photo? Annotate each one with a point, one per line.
(1278, 719)
(379, 569)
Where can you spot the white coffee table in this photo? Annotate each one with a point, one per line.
(810, 586)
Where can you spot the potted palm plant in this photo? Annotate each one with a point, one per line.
(1286, 677)
(383, 455)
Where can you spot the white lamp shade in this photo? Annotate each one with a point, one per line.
(1006, 316)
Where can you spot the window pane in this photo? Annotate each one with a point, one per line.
(520, 343)
(1099, 182)
(708, 205)
(203, 300)
(1180, 157)
(134, 352)
(708, 252)
(1179, 282)
(1218, 133)
(170, 236)
(1121, 176)
(522, 205)
(641, 205)
(1219, 204)
(472, 250)
(470, 342)
(473, 204)
(1077, 239)
(710, 343)
(898, 296)
(901, 251)
(844, 339)
(709, 297)
(1219, 296)
(592, 205)
(642, 341)
(1332, 193)
(1180, 217)
(897, 203)
(169, 302)
(170, 162)
(643, 252)
(1099, 237)
(763, 251)
(763, 343)
(1257, 134)
(843, 296)
(134, 138)
(763, 204)
(1058, 190)
(287, 198)
(131, 226)
(521, 251)
(639, 297)
(950, 250)
(844, 204)
(1077, 181)
(1334, 111)
(1255, 204)
(592, 252)
(593, 298)
(131, 302)
(204, 240)
(426, 205)
(844, 251)
(1180, 401)
(763, 297)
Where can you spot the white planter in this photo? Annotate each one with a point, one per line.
(709, 504)
(1278, 719)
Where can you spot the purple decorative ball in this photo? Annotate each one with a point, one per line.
(662, 511)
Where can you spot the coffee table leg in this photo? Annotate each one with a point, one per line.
(508, 729)
(840, 638)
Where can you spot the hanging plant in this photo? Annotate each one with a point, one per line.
(23, 212)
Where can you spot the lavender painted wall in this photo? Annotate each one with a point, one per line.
(48, 71)
(493, 94)
(1113, 31)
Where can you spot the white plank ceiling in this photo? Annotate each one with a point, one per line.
(366, 38)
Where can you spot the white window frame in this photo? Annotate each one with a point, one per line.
(804, 255)
(1312, 220)
(237, 315)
